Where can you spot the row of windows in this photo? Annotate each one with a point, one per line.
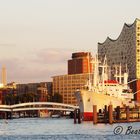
(71, 85)
(72, 77)
(58, 81)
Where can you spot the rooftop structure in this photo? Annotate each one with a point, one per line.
(80, 63)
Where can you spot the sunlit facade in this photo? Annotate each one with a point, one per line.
(80, 62)
(66, 85)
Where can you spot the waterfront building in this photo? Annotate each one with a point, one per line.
(124, 51)
(42, 90)
(80, 70)
(80, 63)
(11, 85)
(14, 93)
(7, 93)
(8, 96)
(66, 85)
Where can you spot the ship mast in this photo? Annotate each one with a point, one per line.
(119, 75)
(120, 72)
(95, 71)
(104, 72)
(89, 76)
(89, 66)
(116, 73)
(95, 78)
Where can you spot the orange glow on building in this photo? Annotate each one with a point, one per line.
(80, 63)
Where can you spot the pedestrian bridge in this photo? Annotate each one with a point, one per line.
(38, 106)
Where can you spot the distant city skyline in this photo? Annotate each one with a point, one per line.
(37, 37)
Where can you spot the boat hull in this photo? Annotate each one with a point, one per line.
(86, 100)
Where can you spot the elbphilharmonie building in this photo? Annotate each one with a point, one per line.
(125, 50)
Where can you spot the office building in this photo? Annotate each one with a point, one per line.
(66, 85)
(80, 63)
(80, 70)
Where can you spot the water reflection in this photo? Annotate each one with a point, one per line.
(37, 128)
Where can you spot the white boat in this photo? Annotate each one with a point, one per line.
(104, 92)
(56, 116)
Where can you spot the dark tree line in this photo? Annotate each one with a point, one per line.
(57, 98)
(10, 99)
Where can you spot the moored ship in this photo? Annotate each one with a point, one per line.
(104, 92)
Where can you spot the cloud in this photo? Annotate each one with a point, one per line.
(39, 65)
(52, 56)
(7, 45)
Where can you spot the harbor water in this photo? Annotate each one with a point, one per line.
(65, 129)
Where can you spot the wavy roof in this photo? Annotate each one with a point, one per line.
(125, 25)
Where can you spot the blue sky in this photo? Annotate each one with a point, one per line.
(37, 37)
